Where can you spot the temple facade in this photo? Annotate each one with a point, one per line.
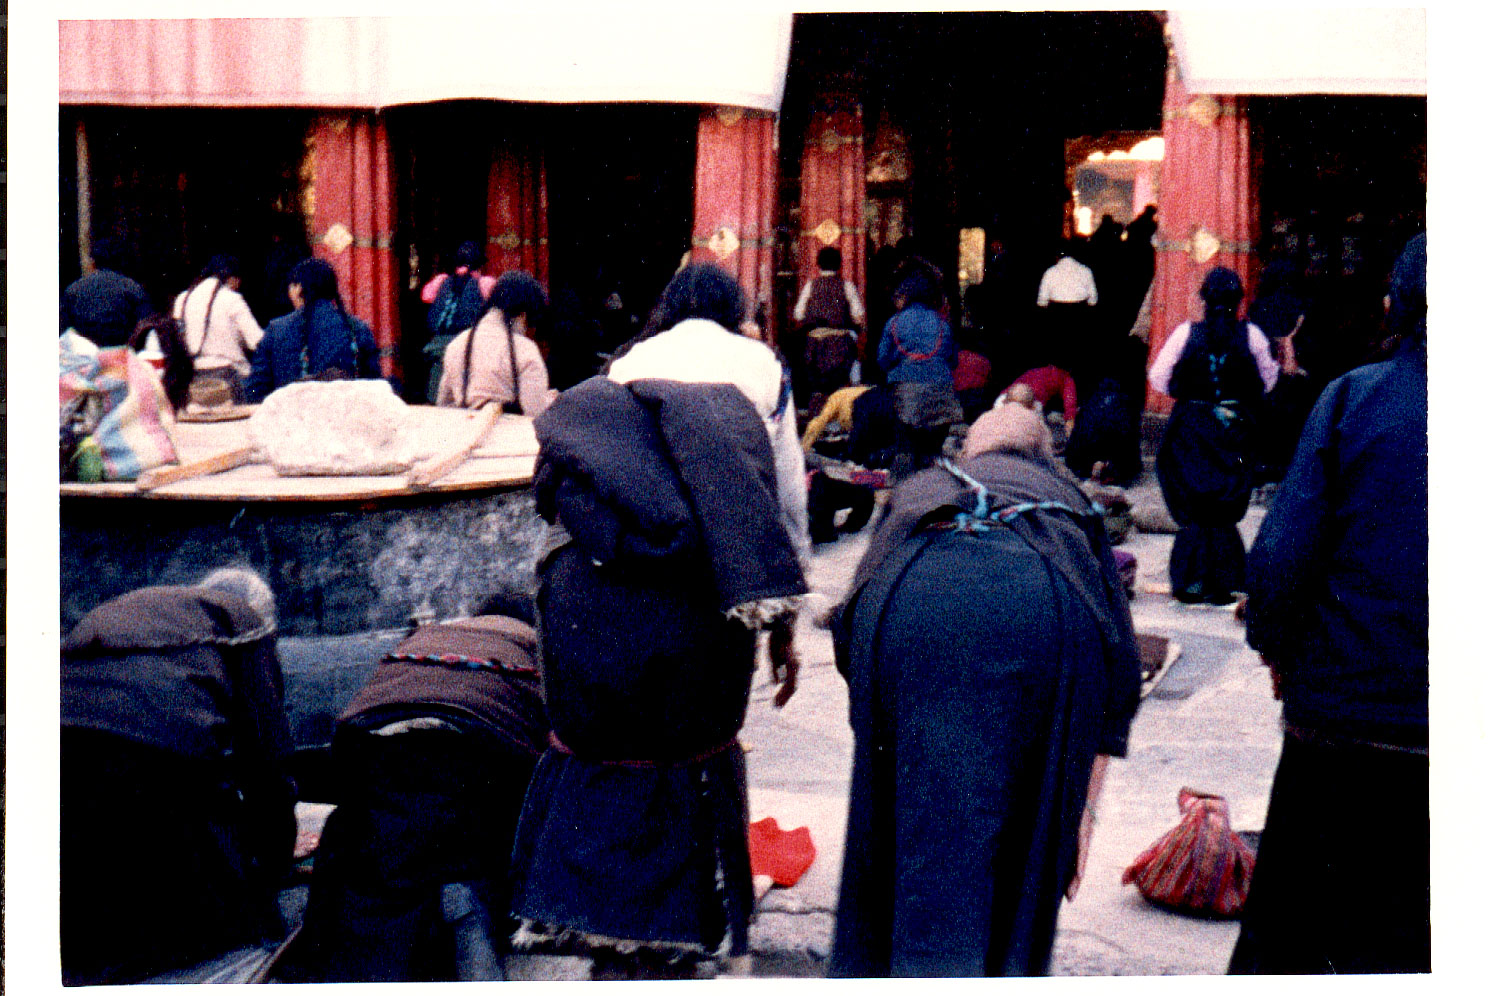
(598, 156)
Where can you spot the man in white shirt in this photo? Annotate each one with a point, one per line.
(1067, 282)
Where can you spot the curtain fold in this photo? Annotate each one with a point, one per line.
(516, 212)
(734, 197)
(350, 214)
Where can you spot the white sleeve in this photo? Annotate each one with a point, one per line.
(1166, 358)
(799, 312)
(1260, 348)
(791, 480)
(856, 309)
(1088, 276)
(245, 325)
(1044, 290)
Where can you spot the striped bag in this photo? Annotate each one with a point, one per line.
(135, 423)
(1200, 866)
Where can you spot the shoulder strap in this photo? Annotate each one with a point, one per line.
(515, 372)
(463, 394)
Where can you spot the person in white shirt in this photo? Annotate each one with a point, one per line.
(704, 350)
(1068, 294)
(1067, 282)
(217, 325)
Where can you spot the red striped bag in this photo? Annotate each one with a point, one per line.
(1200, 866)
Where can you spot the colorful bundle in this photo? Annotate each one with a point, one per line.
(1200, 866)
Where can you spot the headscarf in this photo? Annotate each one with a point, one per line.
(1011, 428)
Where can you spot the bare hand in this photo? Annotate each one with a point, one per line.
(784, 662)
(1086, 825)
(1275, 676)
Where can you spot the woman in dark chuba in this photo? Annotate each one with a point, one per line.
(668, 551)
(1218, 370)
(992, 671)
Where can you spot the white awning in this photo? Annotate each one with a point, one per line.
(1278, 51)
(552, 53)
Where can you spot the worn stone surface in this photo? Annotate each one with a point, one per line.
(335, 428)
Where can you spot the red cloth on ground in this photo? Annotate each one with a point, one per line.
(972, 371)
(1049, 382)
(785, 855)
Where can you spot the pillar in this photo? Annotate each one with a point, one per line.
(350, 210)
(734, 197)
(1208, 212)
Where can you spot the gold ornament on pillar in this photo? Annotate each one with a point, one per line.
(724, 242)
(1203, 245)
(338, 238)
(828, 231)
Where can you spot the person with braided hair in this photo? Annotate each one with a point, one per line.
(1219, 371)
(318, 339)
(217, 326)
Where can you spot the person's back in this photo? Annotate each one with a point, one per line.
(176, 802)
(411, 881)
(318, 339)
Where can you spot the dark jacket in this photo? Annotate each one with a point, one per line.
(918, 347)
(330, 343)
(104, 307)
(177, 814)
(1338, 573)
(1074, 544)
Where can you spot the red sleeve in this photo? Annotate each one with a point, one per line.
(1070, 398)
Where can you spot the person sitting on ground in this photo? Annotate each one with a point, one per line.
(457, 300)
(176, 796)
(217, 325)
(434, 756)
(104, 306)
(318, 339)
(498, 360)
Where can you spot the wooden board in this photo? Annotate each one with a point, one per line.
(504, 458)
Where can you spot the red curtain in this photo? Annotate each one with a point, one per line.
(734, 197)
(1208, 211)
(833, 189)
(516, 215)
(350, 210)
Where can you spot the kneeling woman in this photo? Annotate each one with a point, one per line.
(992, 671)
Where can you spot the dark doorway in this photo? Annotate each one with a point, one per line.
(179, 185)
(620, 206)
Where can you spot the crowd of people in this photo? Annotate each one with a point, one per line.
(594, 730)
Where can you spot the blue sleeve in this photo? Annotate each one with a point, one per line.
(949, 344)
(886, 355)
(1286, 562)
(262, 379)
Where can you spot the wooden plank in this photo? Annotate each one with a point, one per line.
(424, 474)
(219, 462)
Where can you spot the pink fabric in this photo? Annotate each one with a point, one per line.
(432, 287)
(1048, 383)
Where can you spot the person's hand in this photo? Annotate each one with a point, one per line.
(1085, 837)
(1275, 676)
(784, 662)
(750, 330)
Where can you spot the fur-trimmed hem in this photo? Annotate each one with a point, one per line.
(532, 935)
(762, 612)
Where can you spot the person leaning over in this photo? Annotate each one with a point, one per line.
(177, 821)
(497, 360)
